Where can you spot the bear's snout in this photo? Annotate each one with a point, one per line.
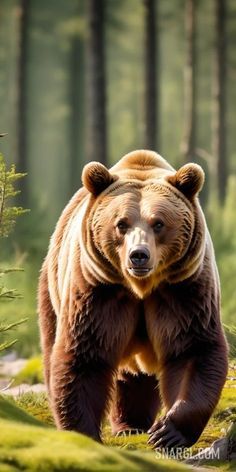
(139, 258)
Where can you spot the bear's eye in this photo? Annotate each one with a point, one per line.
(157, 227)
(122, 226)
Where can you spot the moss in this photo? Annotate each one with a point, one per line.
(10, 411)
(135, 445)
(32, 372)
(8, 468)
(26, 445)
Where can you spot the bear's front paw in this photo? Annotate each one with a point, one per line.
(164, 434)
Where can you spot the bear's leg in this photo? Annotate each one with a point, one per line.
(190, 388)
(87, 351)
(80, 390)
(47, 324)
(136, 402)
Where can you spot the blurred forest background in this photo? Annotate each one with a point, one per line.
(88, 80)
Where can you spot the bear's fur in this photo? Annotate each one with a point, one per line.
(129, 304)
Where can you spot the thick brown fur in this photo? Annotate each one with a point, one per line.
(122, 339)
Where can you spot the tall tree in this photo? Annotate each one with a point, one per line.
(151, 102)
(77, 101)
(96, 83)
(22, 94)
(219, 150)
(189, 132)
(77, 109)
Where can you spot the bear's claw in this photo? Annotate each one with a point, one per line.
(164, 434)
(128, 432)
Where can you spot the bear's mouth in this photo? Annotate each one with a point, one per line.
(139, 271)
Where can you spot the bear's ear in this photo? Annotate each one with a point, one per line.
(188, 179)
(96, 177)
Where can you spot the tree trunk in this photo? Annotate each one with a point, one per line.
(219, 101)
(189, 133)
(77, 112)
(151, 135)
(96, 83)
(22, 97)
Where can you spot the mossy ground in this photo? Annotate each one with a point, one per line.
(26, 444)
(22, 446)
(223, 417)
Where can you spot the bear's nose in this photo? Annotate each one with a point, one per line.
(139, 256)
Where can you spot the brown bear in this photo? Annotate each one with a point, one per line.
(129, 304)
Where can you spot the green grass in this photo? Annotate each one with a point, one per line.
(33, 410)
(36, 404)
(224, 415)
(27, 445)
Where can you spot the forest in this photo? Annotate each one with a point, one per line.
(84, 80)
(73, 90)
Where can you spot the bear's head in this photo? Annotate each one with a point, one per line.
(145, 223)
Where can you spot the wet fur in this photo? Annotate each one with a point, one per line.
(106, 338)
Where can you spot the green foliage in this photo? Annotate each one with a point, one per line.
(231, 335)
(31, 373)
(6, 327)
(26, 282)
(222, 224)
(8, 214)
(5, 293)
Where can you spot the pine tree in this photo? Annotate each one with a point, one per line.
(151, 100)
(8, 215)
(96, 82)
(189, 135)
(219, 92)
